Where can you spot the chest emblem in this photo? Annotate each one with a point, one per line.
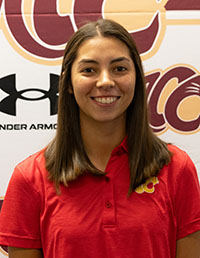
(148, 186)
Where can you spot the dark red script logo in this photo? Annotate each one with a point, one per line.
(53, 30)
(183, 5)
(186, 87)
(50, 30)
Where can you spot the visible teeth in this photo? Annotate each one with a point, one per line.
(106, 100)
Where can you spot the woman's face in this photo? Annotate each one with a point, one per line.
(103, 80)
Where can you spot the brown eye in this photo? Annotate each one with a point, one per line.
(88, 70)
(120, 69)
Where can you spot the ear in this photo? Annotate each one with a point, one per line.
(70, 89)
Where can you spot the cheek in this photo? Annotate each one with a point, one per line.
(128, 85)
(82, 84)
(81, 87)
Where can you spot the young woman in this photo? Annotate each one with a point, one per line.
(106, 186)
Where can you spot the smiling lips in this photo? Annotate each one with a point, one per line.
(105, 100)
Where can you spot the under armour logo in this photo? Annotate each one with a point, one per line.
(8, 85)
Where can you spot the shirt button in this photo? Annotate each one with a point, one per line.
(107, 179)
(108, 204)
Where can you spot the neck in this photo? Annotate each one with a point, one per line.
(100, 138)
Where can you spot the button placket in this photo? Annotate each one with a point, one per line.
(109, 205)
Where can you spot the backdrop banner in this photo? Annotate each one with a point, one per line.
(33, 35)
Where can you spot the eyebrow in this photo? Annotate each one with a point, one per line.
(85, 61)
(119, 59)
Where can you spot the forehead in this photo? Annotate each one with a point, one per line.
(99, 47)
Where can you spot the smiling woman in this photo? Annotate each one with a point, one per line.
(103, 85)
(106, 185)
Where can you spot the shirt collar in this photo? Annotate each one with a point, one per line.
(121, 148)
(124, 144)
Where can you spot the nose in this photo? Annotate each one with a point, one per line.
(105, 80)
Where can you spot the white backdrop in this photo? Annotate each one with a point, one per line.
(25, 77)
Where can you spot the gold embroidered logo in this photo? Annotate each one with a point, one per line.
(148, 186)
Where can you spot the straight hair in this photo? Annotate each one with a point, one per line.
(66, 158)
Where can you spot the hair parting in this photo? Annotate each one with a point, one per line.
(66, 158)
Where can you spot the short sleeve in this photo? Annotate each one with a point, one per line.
(20, 214)
(187, 199)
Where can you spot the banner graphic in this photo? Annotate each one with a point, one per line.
(33, 35)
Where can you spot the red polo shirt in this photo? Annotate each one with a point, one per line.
(93, 217)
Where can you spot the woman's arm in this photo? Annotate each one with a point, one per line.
(15, 252)
(189, 247)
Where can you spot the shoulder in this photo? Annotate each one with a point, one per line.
(181, 171)
(177, 152)
(36, 160)
(184, 191)
(180, 159)
(28, 180)
(32, 169)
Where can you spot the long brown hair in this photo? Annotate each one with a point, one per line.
(65, 156)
